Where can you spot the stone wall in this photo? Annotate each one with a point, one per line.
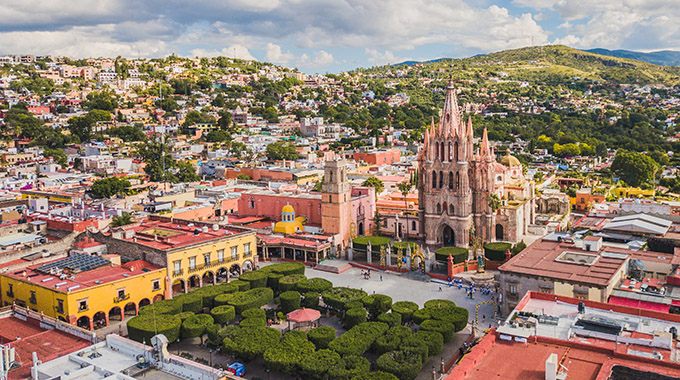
(54, 248)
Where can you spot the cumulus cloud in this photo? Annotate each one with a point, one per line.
(319, 59)
(233, 51)
(276, 55)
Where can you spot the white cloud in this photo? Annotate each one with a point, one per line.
(276, 55)
(382, 58)
(320, 59)
(233, 51)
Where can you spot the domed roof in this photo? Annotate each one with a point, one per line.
(509, 160)
(288, 209)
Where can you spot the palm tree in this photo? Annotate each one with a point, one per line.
(494, 202)
(122, 220)
(405, 188)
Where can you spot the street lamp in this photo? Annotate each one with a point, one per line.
(267, 370)
(177, 346)
(210, 351)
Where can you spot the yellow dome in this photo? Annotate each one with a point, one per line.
(288, 209)
(510, 161)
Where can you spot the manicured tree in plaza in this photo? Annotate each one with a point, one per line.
(257, 279)
(321, 336)
(354, 317)
(414, 344)
(217, 333)
(255, 313)
(349, 367)
(288, 283)
(242, 285)
(392, 319)
(377, 375)
(195, 326)
(289, 301)
(391, 340)
(251, 299)
(252, 322)
(287, 355)
(249, 343)
(171, 307)
(190, 302)
(377, 304)
(285, 269)
(223, 313)
(406, 309)
(496, 251)
(434, 341)
(442, 327)
(223, 299)
(358, 339)
(316, 284)
(339, 296)
(317, 364)
(185, 314)
(405, 364)
(143, 327)
(459, 254)
(311, 300)
(273, 280)
(208, 293)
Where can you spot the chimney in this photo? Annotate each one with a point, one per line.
(551, 367)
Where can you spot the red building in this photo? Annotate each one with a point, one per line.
(382, 157)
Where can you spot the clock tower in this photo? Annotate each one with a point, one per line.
(336, 204)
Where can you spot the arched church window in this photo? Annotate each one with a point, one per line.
(434, 179)
(455, 152)
(451, 152)
(441, 180)
(452, 209)
(450, 180)
(330, 176)
(441, 152)
(457, 180)
(251, 203)
(436, 150)
(439, 208)
(444, 207)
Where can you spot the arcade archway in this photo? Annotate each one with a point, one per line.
(448, 237)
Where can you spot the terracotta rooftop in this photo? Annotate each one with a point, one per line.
(545, 258)
(86, 279)
(165, 235)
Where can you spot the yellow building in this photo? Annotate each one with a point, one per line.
(289, 224)
(632, 192)
(194, 253)
(85, 290)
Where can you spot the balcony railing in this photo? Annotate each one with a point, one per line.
(211, 264)
(121, 298)
(177, 273)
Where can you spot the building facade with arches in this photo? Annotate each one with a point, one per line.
(457, 180)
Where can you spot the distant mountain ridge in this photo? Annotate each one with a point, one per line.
(662, 57)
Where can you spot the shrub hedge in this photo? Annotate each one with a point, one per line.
(416, 345)
(443, 310)
(358, 339)
(242, 285)
(442, 327)
(354, 317)
(459, 254)
(405, 308)
(392, 319)
(391, 340)
(171, 307)
(354, 305)
(349, 367)
(404, 245)
(251, 342)
(321, 336)
(496, 251)
(191, 302)
(144, 327)
(404, 364)
(421, 315)
(338, 297)
(290, 282)
(377, 375)
(257, 279)
(311, 300)
(223, 313)
(185, 314)
(439, 303)
(317, 364)
(251, 299)
(273, 280)
(316, 284)
(254, 313)
(433, 340)
(289, 301)
(195, 326)
(286, 356)
(227, 287)
(252, 322)
(208, 293)
(360, 243)
(377, 304)
(223, 299)
(285, 269)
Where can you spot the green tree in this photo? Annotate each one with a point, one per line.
(81, 126)
(122, 220)
(108, 187)
(494, 202)
(282, 150)
(376, 183)
(58, 155)
(186, 172)
(128, 132)
(405, 188)
(103, 100)
(636, 169)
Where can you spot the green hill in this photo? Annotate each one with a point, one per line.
(553, 64)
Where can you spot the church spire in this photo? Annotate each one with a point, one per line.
(450, 120)
(485, 153)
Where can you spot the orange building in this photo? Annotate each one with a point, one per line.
(585, 197)
(382, 157)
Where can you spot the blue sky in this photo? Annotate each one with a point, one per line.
(330, 35)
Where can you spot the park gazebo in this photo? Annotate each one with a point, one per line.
(303, 317)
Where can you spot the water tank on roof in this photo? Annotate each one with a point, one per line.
(215, 227)
(205, 229)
